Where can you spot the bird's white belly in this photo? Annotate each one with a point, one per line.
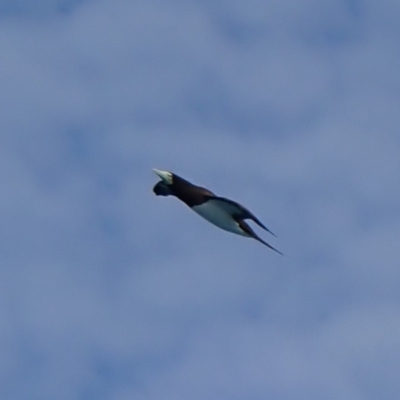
(218, 217)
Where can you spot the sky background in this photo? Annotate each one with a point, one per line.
(289, 107)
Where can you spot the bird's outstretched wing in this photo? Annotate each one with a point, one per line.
(237, 210)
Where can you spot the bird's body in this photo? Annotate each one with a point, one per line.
(213, 213)
(224, 213)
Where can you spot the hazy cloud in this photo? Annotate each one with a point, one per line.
(108, 292)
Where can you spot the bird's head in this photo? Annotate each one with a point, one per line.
(163, 187)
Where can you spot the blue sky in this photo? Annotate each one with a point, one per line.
(291, 108)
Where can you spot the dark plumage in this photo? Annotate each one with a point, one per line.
(161, 189)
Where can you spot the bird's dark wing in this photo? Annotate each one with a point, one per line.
(237, 210)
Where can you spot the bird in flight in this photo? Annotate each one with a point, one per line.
(222, 212)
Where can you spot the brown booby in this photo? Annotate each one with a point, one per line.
(222, 212)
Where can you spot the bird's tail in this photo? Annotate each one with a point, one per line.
(246, 228)
(266, 244)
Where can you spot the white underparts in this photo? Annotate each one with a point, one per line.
(214, 214)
